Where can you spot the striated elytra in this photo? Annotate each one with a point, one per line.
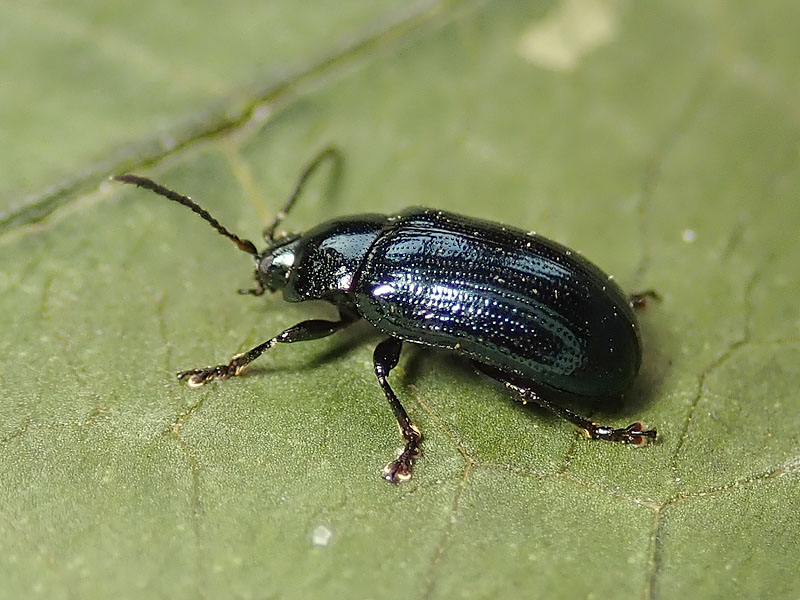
(528, 312)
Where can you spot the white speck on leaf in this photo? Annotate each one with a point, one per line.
(570, 31)
(321, 536)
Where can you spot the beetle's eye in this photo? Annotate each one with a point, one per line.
(274, 270)
(284, 261)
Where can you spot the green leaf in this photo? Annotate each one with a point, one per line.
(659, 139)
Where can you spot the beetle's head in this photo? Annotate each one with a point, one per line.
(275, 264)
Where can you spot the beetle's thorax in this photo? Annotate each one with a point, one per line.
(322, 263)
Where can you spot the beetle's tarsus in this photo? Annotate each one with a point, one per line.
(639, 300)
(199, 377)
(398, 471)
(401, 470)
(258, 291)
(633, 434)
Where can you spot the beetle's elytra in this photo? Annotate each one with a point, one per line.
(528, 312)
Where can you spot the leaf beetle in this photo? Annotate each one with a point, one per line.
(530, 313)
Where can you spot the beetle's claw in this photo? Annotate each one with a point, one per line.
(633, 434)
(196, 378)
(398, 471)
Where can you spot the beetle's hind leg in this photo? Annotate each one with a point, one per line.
(385, 358)
(633, 434)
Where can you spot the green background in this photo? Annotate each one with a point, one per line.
(662, 139)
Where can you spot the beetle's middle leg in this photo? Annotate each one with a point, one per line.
(307, 330)
(385, 358)
(632, 434)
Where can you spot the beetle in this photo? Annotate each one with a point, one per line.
(533, 315)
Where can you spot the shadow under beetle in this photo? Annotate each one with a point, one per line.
(528, 312)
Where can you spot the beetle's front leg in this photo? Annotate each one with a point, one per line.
(385, 358)
(307, 330)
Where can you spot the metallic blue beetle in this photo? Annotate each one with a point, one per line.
(528, 312)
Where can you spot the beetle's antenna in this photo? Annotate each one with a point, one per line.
(149, 184)
(331, 152)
